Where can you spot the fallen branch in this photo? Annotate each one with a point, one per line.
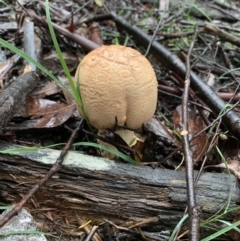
(13, 97)
(99, 188)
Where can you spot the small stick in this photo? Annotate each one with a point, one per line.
(194, 214)
(90, 235)
(84, 42)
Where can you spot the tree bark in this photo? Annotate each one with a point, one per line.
(97, 188)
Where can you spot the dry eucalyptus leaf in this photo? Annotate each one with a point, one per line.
(102, 152)
(232, 165)
(52, 63)
(195, 125)
(156, 127)
(50, 88)
(235, 235)
(48, 112)
(94, 34)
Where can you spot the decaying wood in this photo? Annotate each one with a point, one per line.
(13, 97)
(100, 188)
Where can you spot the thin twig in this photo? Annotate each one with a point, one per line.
(153, 37)
(90, 235)
(84, 42)
(210, 146)
(192, 209)
(217, 119)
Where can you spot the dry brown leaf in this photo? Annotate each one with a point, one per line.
(4, 67)
(65, 82)
(50, 112)
(105, 153)
(232, 165)
(155, 126)
(235, 235)
(50, 88)
(195, 125)
(52, 63)
(94, 34)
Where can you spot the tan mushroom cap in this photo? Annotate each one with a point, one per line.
(117, 82)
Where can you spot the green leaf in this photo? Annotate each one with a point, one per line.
(180, 223)
(113, 151)
(20, 150)
(34, 62)
(26, 232)
(221, 232)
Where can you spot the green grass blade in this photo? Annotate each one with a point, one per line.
(216, 218)
(177, 227)
(113, 151)
(229, 173)
(202, 12)
(31, 149)
(227, 72)
(5, 207)
(26, 232)
(221, 232)
(75, 87)
(1, 1)
(21, 150)
(31, 60)
(229, 224)
(59, 53)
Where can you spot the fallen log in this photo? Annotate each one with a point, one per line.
(100, 188)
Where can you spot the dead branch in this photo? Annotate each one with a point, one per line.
(100, 188)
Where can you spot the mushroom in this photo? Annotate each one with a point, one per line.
(118, 87)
